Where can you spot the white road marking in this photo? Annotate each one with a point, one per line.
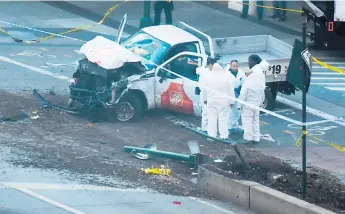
(328, 78)
(212, 205)
(311, 110)
(25, 188)
(336, 88)
(45, 199)
(325, 73)
(38, 70)
(47, 186)
(331, 63)
(318, 67)
(327, 83)
(41, 31)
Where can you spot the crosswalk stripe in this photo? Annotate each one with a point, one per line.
(328, 83)
(323, 68)
(325, 73)
(327, 78)
(336, 88)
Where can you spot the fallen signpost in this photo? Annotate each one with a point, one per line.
(194, 159)
(230, 142)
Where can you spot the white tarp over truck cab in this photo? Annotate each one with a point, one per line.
(107, 53)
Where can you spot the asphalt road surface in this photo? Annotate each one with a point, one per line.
(64, 142)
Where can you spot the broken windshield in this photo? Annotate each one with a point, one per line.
(146, 46)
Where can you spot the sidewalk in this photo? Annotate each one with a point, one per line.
(293, 24)
(211, 21)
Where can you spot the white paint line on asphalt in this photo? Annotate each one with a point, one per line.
(38, 70)
(41, 31)
(331, 63)
(320, 67)
(212, 205)
(313, 111)
(336, 88)
(45, 199)
(42, 186)
(325, 73)
(327, 78)
(327, 83)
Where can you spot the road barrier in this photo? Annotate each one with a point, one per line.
(110, 10)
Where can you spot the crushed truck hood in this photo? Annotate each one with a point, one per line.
(108, 54)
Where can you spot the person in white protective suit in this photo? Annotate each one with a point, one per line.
(219, 95)
(203, 73)
(253, 93)
(238, 76)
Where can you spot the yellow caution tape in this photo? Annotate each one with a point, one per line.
(109, 11)
(336, 146)
(335, 69)
(270, 7)
(330, 67)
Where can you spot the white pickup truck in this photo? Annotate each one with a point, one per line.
(171, 48)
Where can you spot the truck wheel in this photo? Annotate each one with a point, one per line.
(270, 100)
(129, 108)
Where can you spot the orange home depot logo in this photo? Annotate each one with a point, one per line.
(176, 99)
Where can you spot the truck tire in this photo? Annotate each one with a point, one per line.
(129, 108)
(270, 100)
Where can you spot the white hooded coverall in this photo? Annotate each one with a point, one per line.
(234, 116)
(203, 73)
(219, 95)
(253, 92)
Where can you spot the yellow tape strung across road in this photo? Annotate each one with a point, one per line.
(109, 11)
(330, 67)
(336, 146)
(270, 7)
(323, 64)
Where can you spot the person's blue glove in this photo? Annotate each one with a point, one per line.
(237, 91)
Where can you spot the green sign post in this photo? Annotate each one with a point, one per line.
(299, 75)
(295, 72)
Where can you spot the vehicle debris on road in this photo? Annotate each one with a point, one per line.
(158, 171)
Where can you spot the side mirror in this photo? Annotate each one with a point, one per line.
(197, 90)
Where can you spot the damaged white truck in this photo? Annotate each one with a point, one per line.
(137, 69)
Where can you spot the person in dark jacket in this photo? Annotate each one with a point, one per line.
(281, 14)
(168, 7)
(259, 9)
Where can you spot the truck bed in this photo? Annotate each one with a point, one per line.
(276, 52)
(266, 46)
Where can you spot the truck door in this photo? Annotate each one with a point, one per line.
(176, 83)
(121, 27)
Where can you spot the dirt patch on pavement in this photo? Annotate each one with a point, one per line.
(322, 189)
(57, 140)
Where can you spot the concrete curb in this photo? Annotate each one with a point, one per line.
(253, 196)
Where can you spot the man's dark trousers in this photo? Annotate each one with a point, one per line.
(168, 8)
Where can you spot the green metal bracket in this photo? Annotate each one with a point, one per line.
(191, 159)
(146, 20)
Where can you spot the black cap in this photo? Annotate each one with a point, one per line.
(210, 61)
(255, 58)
